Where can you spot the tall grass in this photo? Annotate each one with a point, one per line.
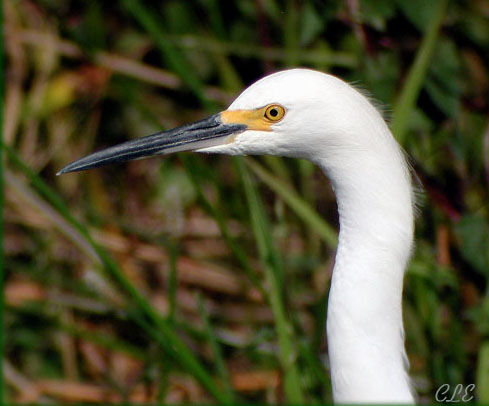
(162, 331)
(274, 278)
(404, 107)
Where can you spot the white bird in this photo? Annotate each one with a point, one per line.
(307, 114)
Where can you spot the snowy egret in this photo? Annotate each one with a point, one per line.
(308, 114)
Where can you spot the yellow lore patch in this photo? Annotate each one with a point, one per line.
(260, 119)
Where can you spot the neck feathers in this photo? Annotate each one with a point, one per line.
(365, 331)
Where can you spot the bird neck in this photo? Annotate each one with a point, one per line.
(364, 327)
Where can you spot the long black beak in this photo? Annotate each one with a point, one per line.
(201, 134)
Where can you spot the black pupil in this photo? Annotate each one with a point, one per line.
(274, 112)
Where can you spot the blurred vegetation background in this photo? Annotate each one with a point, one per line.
(204, 278)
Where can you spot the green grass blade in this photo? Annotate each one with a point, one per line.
(229, 76)
(2, 276)
(290, 33)
(417, 73)
(315, 364)
(174, 58)
(301, 208)
(215, 18)
(273, 273)
(482, 377)
(16, 185)
(176, 348)
(189, 163)
(165, 334)
(216, 350)
(315, 56)
(172, 282)
(278, 167)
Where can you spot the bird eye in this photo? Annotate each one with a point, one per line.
(274, 112)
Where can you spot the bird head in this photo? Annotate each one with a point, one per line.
(295, 113)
